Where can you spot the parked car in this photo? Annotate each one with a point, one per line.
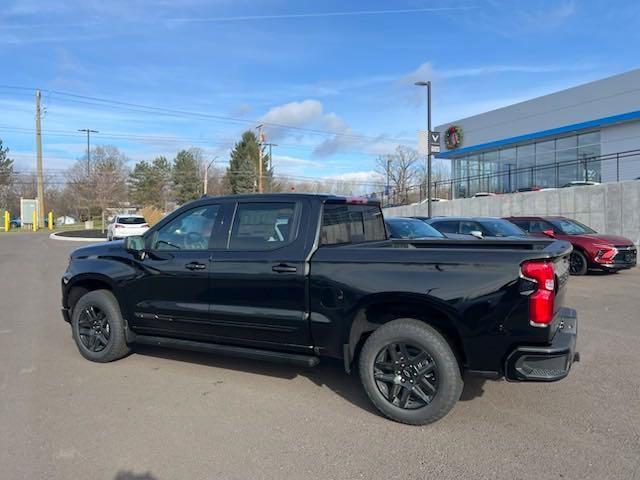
(65, 220)
(480, 227)
(125, 226)
(590, 248)
(410, 228)
(414, 319)
(483, 194)
(15, 222)
(579, 183)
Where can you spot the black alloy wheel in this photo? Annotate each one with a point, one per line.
(577, 263)
(94, 329)
(406, 375)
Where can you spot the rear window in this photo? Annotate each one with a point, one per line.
(342, 223)
(131, 220)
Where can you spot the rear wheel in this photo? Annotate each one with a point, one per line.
(410, 372)
(578, 263)
(98, 327)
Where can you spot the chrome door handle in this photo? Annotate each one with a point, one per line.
(195, 266)
(284, 268)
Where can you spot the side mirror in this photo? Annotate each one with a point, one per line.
(549, 233)
(134, 243)
(477, 234)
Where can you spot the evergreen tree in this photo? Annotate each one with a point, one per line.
(242, 174)
(186, 177)
(141, 184)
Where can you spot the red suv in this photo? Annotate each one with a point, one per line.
(590, 249)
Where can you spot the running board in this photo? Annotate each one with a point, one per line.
(231, 351)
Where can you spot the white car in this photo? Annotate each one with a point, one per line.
(126, 226)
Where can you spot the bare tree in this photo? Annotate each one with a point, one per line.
(103, 183)
(402, 168)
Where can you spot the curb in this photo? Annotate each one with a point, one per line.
(54, 236)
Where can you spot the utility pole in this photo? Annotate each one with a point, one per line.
(260, 140)
(428, 85)
(206, 176)
(88, 131)
(39, 161)
(388, 180)
(270, 145)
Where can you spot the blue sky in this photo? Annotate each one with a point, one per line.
(340, 72)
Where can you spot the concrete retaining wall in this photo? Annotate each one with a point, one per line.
(612, 208)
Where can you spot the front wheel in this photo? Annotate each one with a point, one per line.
(578, 263)
(98, 327)
(410, 372)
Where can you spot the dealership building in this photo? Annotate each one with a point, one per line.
(589, 132)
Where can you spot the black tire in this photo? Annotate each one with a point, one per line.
(444, 375)
(98, 327)
(578, 263)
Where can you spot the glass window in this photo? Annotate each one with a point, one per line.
(571, 227)
(508, 167)
(523, 224)
(539, 226)
(446, 226)
(526, 163)
(262, 226)
(131, 220)
(567, 156)
(411, 228)
(466, 227)
(474, 174)
(497, 227)
(490, 164)
(588, 151)
(189, 231)
(343, 223)
(462, 178)
(545, 164)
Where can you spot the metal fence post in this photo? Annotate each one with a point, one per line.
(618, 167)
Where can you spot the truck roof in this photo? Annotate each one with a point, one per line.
(294, 195)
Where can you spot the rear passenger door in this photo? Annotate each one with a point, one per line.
(259, 282)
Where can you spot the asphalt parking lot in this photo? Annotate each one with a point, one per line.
(162, 415)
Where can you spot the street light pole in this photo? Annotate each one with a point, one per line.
(428, 85)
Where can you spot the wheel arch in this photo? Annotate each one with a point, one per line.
(85, 283)
(377, 310)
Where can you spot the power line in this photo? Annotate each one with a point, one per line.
(140, 108)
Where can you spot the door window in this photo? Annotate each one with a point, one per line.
(343, 224)
(447, 226)
(190, 231)
(262, 226)
(467, 227)
(539, 226)
(523, 224)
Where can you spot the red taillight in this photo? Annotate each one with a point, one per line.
(541, 299)
(145, 225)
(118, 226)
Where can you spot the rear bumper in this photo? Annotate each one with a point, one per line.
(546, 363)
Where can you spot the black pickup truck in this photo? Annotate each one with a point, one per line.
(294, 278)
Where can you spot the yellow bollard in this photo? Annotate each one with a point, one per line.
(7, 221)
(35, 221)
(50, 220)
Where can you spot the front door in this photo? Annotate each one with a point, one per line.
(259, 283)
(171, 296)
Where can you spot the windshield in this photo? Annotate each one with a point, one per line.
(411, 228)
(571, 227)
(131, 220)
(502, 228)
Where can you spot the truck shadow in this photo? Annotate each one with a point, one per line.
(329, 373)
